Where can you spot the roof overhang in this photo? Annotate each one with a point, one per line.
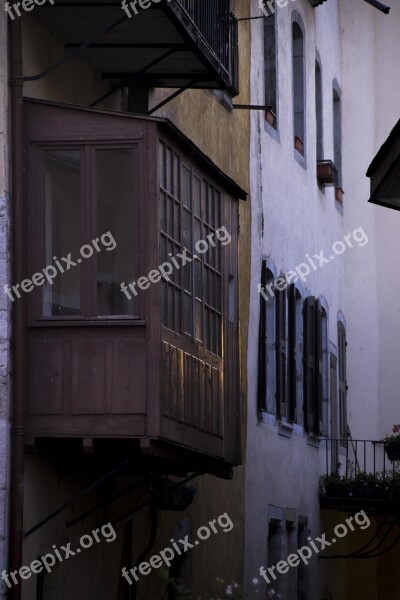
(119, 50)
(384, 172)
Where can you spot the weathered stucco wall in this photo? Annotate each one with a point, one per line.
(299, 218)
(4, 304)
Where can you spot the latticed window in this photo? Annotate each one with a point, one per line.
(190, 215)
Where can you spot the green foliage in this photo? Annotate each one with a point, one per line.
(220, 590)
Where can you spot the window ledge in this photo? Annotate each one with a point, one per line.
(99, 322)
(313, 440)
(285, 429)
(300, 158)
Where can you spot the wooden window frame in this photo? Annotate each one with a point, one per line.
(88, 226)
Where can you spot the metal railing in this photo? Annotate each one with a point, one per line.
(360, 465)
(218, 26)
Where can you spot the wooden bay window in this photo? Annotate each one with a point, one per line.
(120, 195)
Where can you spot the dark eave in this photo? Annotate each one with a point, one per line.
(384, 172)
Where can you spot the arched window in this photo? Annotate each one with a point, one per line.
(270, 69)
(298, 87)
(318, 112)
(267, 337)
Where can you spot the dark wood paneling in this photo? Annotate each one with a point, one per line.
(84, 374)
(88, 377)
(46, 359)
(192, 400)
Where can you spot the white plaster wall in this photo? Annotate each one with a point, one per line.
(299, 219)
(371, 85)
(4, 304)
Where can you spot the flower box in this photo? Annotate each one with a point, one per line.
(299, 144)
(270, 116)
(393, 452)
(339, 193)
(326, 172)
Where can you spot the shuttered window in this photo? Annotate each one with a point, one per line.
(313, 365)
(292, 352)
(281, 354)
(262, 346)
(342, 381)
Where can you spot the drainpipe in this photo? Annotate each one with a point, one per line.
(18, 315)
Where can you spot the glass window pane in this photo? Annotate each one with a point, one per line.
(206, 327)
(162, 164)
(115, 223)
(170, 306)
(62, 170)
(219, 335)
(187, 314)
(177, 221)
(170, 216)
(196, 232)
(198, 320)
(187, 277)
(197, 279)
(169, 171)
(197, 196)
(217, 208)
(186, 188)
(163, 212)
(176, 176)
(177, 310)
(187, 230)
(164, 312)
(211, 206)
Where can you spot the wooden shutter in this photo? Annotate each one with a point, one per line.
(319, 369)
(262, 346)
(313, 365)
(342, 381)
(281, 353)
(292, 353)
(309, 363)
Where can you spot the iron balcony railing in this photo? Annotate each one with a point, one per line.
(359, 469)
(218, 27)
